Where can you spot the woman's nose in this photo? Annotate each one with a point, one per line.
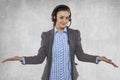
(65, 20)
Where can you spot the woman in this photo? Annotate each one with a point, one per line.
(59, 45)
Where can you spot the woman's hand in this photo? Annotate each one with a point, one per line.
(103, 58)
(15, 58)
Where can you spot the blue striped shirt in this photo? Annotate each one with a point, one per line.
(61, 64)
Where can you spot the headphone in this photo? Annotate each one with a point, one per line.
(60, 8)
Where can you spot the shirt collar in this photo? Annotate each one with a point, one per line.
(65, 30)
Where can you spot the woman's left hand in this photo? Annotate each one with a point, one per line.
(103, 58)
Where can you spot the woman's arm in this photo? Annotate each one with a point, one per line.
(15, 58)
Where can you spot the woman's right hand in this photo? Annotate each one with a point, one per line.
(15, 58)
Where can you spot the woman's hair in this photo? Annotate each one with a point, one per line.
(57, 9)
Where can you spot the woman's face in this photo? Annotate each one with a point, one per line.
(62, 19)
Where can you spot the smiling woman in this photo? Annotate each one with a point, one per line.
(59, 46)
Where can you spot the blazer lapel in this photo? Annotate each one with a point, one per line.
(70, 38)
(51, 38)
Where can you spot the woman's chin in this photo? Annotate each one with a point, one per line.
(63, 26)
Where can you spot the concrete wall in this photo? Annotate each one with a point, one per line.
(23, 21)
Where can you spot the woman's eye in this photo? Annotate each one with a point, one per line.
(61, 17)
(67, 18)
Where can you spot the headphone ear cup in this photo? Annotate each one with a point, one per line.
(70, 19)
(53, 19)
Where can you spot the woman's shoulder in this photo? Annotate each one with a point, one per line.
(73, 30)
(48, 32)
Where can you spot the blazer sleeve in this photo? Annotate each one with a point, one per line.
(40, 57)
(80, 53)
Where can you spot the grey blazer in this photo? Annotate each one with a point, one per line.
(45, 51)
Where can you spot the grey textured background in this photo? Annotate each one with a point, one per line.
(23, 21)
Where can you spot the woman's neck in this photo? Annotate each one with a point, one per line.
(60, 29)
